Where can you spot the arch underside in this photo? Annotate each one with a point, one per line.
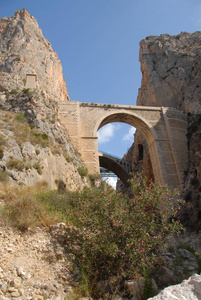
(148, 133)
(113, 166)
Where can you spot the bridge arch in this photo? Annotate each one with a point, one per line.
(145, 128)
(132, 119)
(119, 167)
(164, 129)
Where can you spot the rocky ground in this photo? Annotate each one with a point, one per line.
(33, 266)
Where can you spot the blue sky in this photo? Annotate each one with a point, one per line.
(97, 42)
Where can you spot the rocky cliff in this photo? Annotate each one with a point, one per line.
(23, 51)
(171, 71)
(171, 76)
(34, 147)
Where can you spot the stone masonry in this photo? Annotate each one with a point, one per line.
(164, 129)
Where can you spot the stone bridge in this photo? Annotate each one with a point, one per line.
(164, 129)
(121, 167)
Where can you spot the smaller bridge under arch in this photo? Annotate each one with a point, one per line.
(121, 167)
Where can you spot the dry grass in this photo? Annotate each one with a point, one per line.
(22, 209)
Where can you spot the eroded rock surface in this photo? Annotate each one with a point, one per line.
(24, 50)
(37, 148)
(171, 71)
(188, 289)
(34, 146)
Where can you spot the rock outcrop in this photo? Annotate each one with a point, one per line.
(24, 51)
(171, 76)
(188, 289)
(171, 71)
(34, 146)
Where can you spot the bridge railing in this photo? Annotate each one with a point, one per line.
(109, 154)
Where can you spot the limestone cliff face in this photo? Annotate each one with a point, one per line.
(171, 71)
(171, 76)
(24, 50)
(34, 147)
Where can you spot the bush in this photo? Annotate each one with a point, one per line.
(38, 168)
(82, 171)
(15, 164)
(118, 235)
(67, 157)
(3, 140)
(26, 92)
(4, 176)
(1, 152)
(14, 92)
(21, 118)
(61, 186)
(21, 128)
(38, 138)
(94, 177)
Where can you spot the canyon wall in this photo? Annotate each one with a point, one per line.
(171, 71)
(171, 76)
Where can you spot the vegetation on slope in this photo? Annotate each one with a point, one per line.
(109, 235)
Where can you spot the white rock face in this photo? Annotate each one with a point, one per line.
(188, 290)
(170, 68)
(23, 51)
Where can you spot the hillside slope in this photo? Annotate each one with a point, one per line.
(33, 145)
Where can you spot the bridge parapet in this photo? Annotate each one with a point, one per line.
(125, 164)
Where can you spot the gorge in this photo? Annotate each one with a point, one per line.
(42, 133)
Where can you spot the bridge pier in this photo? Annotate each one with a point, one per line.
(89, 146)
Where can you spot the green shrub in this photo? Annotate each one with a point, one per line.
(14, 92)
(82, 171)
(38, 138)
(61, 186)
(3, 140)
(21, 128)
(67, 157)
(198, 258)
(1, 152)
(21, 118)
(122, 235)
(94, 177)
(26, 92)
(37, 151)
(15, 164)
(38, 168)
(4, 176)
(196, 253)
